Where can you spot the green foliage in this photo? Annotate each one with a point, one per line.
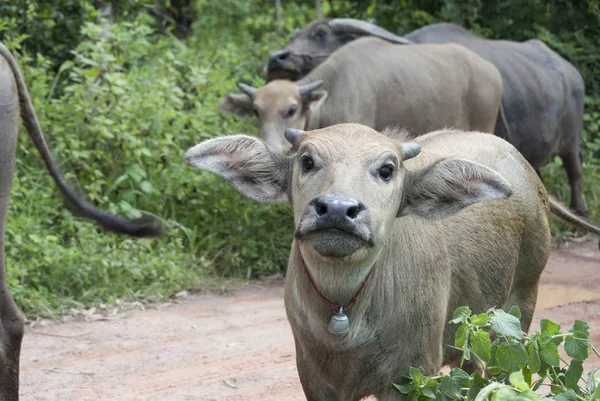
(518, 364)
(120, 98)
(131, 102)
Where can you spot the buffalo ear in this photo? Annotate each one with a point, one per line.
(450, 185)
(316, 100)
(237, 103)
(254, 168)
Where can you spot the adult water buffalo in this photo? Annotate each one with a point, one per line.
(394, 236)
(14, 101)
(378, 84)
(542, 93)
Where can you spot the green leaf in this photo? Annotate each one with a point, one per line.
(511, 356)
(518, 380)
(577, 348)
(515, 311)
(404, 389)
(146, 187)
(417, 375)
(460, 377)
(549, 327)
(430, 389)
(481, 345)
(467, 352)
(403, 385)
(591, 382)
(528, 395)
(549, 354)
(581, 327)
(568, 395)
(448, 387)
(494, 370)
(461, 337)
(505, 324)
(533, 358)
(527, 375)
(574, 374)
(477, 385)
(504, 394)
(461, 314)
(480, 320)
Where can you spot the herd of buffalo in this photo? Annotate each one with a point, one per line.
(405, 205)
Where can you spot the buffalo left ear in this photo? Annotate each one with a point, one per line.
(450, 185)
(237, 103)
(254, 168)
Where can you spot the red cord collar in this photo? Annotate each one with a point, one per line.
(333, 305)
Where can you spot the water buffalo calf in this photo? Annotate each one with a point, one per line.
(415, 228)
(15, 102)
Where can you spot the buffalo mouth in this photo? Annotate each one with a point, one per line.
(285, 71)
(335, 242)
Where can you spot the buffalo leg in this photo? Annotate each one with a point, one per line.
(11, 324)
(572, 162)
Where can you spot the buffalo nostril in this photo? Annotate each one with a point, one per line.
(278, 57)
(321, 209)
(352, 212)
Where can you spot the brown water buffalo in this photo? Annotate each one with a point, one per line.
(376, 83)
(414, 229)
(15, 102)
(542, 99)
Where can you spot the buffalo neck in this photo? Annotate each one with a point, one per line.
(338, 283)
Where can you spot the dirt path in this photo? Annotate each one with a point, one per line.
(233, 347)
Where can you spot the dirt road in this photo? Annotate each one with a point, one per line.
(232, 347)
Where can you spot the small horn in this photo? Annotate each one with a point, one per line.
(305, 90)
(293, 136)
(247, 89)
(364, 28)
(410, 150)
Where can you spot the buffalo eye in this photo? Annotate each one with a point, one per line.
(386, 171)
(291, 112)
(307, 163)
(321, 34)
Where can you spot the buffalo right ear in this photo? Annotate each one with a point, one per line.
(248, 163)
(237, 103)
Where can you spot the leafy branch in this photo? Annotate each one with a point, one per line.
(517, 365)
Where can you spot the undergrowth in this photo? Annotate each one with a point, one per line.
(518, 366)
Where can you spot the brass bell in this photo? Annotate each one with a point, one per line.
(339, 323)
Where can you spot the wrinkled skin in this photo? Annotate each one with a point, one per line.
(542, 101)
(15, 102)
(465, 222)
(376, 83)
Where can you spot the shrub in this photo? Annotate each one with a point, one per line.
(518, 365)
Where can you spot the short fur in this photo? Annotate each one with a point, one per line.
(484, 245)
(15, 102)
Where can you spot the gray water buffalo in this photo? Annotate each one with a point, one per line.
(15, 102)
(393, 234)
(378, 84)
(542, 97)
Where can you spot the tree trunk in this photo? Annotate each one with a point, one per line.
(319, 14)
